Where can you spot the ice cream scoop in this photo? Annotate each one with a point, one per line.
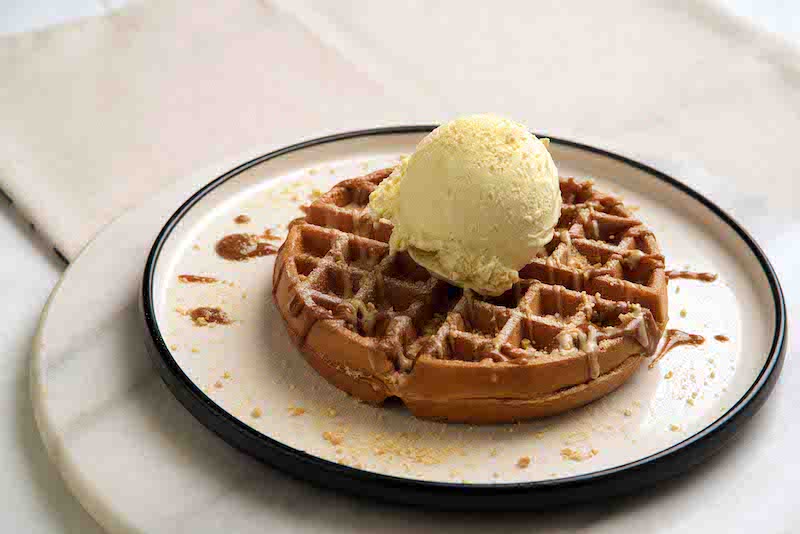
(477, 199)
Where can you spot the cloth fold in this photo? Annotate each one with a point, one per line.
(99, 114)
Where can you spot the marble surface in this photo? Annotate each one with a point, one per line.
(731, 492)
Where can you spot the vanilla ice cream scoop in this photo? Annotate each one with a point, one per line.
(474, 203)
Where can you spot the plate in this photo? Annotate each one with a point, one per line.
(247, 383)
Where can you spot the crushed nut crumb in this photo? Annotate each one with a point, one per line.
(668, 375)
(256, 413)
(334, 438)
(296, 411)
(523, 462)
(576, 455)
(683, 312)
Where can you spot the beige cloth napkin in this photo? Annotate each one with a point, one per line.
(94, 116)
(99, 114)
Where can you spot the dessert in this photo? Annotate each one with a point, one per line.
(578, 319)
(477, 199)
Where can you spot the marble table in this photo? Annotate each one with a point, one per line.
(748, 486)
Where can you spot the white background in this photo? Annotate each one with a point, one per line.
(32, 496)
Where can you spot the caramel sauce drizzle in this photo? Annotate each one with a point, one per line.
(194, 279)
(675, 338)
(689, 275)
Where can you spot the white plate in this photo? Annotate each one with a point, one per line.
(659, 423)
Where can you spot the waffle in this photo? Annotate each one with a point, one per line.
(377, 325)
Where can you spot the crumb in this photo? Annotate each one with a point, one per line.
(195, 349)
(683, 312)
(712, 375)
(628, 412)
(242, 219)
(296, 411)
(495, 475)
(334, 438)
(218, 384)
(332, 171)
(523, 462)
(226, 375)
(196, 247)
(526, 343)
(315, 194)
(694, 394)
(493, 453)
(256, 413)
(312, 172)
(331, 412)
(292, 386)
(244, 295)
(675, 428)
(576, 455)
(668, 375)
(539, 435)
(173, 347)
(690, 401)
(677, 289)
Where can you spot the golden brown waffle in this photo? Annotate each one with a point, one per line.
(378, 325)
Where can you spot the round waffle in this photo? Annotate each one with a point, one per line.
(377, 325)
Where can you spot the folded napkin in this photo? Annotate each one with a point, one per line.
(98, 114)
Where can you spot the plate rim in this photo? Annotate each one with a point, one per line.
(625, 478)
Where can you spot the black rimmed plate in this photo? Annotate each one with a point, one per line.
(247, 383)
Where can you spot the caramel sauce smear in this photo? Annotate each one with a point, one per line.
(204, 315)
(240, 247)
